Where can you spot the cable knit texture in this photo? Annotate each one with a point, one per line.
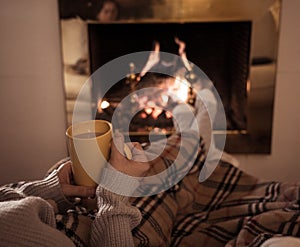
(114, 221)
(29, 222)
(28, 219)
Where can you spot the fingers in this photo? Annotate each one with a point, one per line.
(67, 167)
(57, 166)
(137, 166)
(137, 151)
(118, 142)
(78, 191)
(119, 148)
(127, 152)
(64, 173)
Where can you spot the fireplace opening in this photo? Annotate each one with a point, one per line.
(146, 103)
(220, 49)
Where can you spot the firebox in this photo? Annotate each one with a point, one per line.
(220, 49)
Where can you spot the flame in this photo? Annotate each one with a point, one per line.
(156, 112)
(104, 104)
(179, 89)
(148, 110)
(168, 114)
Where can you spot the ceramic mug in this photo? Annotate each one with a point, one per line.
(89, 147)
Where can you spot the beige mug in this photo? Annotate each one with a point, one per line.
(89, 148)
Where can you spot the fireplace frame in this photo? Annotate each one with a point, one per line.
(256, 137)
(265, 18)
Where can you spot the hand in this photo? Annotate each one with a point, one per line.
(137, 167)
(64, 173)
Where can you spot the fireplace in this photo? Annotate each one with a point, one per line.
(220, 49)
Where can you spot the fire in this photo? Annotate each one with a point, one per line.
(168, 114)
(153, 110)
(104, 104)
(179, 89)
(143, 115)
(148, 110)
(156, 112)
(101, 105)
(155, 107)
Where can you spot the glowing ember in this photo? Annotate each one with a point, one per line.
(143, 115)
(168, 114)
(154, 106)
(148, 110)
(156, 112)
(104, 104)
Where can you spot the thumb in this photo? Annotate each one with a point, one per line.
(138, 154)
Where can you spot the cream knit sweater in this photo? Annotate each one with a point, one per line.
(28, 219)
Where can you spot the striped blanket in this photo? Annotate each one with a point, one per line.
(230, 208)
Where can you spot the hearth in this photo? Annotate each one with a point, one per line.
(220, 49)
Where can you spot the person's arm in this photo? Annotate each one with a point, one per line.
(116, 217)
(114, 221)
(57, 187)
(26, 218)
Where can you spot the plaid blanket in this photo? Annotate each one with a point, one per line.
(230, 208)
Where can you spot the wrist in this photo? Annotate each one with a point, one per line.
(118, 182)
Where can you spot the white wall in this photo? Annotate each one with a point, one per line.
(32, 108)
(284, 162)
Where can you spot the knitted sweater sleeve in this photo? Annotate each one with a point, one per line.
(48, 189)
(26, 219)
(114, 221)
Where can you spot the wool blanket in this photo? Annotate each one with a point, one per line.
(230, 208)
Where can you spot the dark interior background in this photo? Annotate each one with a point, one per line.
(87, 9)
